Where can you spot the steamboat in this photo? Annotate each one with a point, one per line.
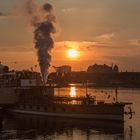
(23, 92)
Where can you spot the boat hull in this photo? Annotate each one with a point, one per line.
(111, 117)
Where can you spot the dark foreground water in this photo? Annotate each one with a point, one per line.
(44, 128)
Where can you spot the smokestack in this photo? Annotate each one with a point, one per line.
(43, 20)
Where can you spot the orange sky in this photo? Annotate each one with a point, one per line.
(102, 31)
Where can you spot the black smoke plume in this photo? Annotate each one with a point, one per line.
(43, 21)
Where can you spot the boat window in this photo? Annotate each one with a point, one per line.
(20, 106)
(46, 108)
(63, 109)
(54, 108)
(30, 106)
(38, 107)
(24, 106)
(73, 109)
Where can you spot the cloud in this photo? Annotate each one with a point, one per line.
(16, 48)
(82, 45)
(107, 36)
(2, 14)
(135, 42)
(87, 45)
(69, 10)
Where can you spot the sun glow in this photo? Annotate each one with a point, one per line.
(72, 92)
(73, 53)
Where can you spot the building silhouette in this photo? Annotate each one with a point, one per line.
(3, 68)
(63, 69)
(102, 69)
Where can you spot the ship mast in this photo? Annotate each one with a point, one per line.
(116, 94)
(86, 87)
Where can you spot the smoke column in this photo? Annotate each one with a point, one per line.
(43, 21)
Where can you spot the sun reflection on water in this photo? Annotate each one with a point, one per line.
(72, 92)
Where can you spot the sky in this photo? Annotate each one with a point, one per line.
(103, 31)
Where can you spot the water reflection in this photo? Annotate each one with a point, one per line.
(37, 127)
(72, 91)
(41, 128)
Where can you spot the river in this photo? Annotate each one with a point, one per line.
(44, 128)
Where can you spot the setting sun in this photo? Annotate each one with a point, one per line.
(73, 53)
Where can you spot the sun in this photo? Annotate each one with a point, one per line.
(73, 53)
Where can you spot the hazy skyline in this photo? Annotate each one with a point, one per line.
(103, 32)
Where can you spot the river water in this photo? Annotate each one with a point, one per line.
(22, 127)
